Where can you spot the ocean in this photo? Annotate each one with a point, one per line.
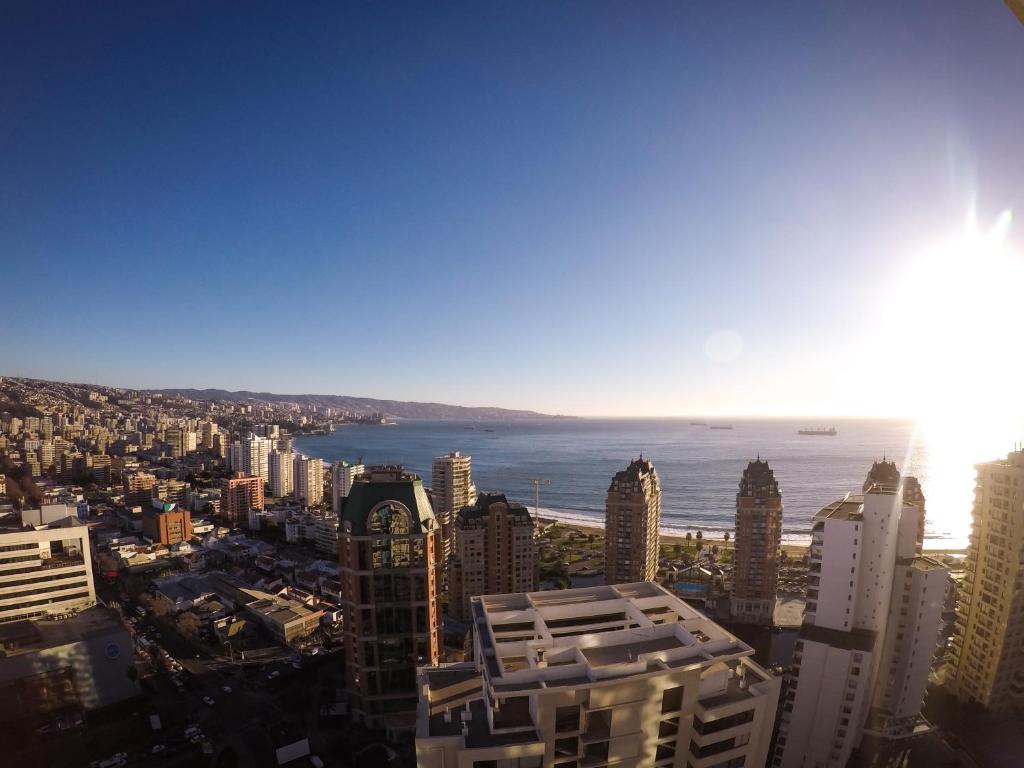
(699, 468)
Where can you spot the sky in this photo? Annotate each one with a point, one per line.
(588, 208)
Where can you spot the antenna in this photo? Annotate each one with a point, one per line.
(537, 483)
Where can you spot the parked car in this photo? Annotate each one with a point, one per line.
(208, 701)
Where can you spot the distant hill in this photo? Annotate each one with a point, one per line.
(397, 408)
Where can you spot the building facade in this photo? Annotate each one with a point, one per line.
(282, 474)
(870, 630)
(758, 542)
(987, 649)
(389, 556)
(343, 475)
(166, 524)
(494, 553)
(625, 675)
(45, 572)
(256, 456)
(452, 488)
(309, 480)
(239, 494)
(632, 518)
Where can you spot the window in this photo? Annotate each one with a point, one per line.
(672, 699)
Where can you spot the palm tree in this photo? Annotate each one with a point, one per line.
(689, 537)
(700, 535)
(727, 536)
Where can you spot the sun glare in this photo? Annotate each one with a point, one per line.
(958, 313)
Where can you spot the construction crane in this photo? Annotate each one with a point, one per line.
(537, 483)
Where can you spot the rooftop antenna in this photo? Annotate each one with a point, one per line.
(537, 483)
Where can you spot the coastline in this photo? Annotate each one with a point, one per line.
(789, 547)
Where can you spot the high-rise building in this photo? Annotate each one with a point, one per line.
(282, 474)
(233, 455)
(256, 456)
(625, 675)
(46, 572)
(164, 523)
(343, 475)
(239, 494)
(389, 549)
(758, 542)
(452, 489)
(309, 480)
(175, 438)
(987, 649)
(209, 429)
(493, 554)
(138, 488)
(632, 517)
(870, 630)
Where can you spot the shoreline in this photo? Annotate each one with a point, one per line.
(675, 538)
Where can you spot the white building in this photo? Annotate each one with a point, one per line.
(309, 480)
(282, 478)
(45, 572)
(627, 675)
(256, 456)
(870, 630)
(452, 488)
(342, 476)
(327, 535)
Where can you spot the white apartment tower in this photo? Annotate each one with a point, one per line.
(282, 477)
(309, 480)
(256, 456)
(452, 489)
(343, 475)
(627, 676)
(870, 630)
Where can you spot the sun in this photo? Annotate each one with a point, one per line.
(956, 320)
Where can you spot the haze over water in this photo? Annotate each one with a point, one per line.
(699, 468)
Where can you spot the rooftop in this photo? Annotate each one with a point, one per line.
(848, 508)
(19, 637)
(582, 636)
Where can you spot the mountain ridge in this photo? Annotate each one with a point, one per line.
(402, 409)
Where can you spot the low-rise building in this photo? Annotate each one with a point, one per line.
(76, 664)
(286, 619)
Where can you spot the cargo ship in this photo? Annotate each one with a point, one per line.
(824, 431)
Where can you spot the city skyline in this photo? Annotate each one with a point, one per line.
(583, 181)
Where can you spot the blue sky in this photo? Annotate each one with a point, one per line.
(547, 206)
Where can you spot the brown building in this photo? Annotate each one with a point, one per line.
(239, 494)
(138, 489)
(632, 517)
(758, 542)
(389, 555)
(494, 553)
(164, 523)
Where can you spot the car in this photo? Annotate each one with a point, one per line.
(226, 689)
(192, 730)
(158, 748)
(275, 673)
(208, 701)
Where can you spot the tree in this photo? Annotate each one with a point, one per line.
(714, 549)
(700, 535)
(689, 537)
(726, 536)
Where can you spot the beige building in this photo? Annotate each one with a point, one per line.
(493, 554)
(632, 517)
(627, 675)
(452, 489)
(282, 474)
(988, 641)
(46, 572)
(343, 475)
(287, 620)
(309, 480)
(758, 543)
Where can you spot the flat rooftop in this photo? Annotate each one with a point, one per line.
(850, 508)
(582, 636)
(19, 637)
